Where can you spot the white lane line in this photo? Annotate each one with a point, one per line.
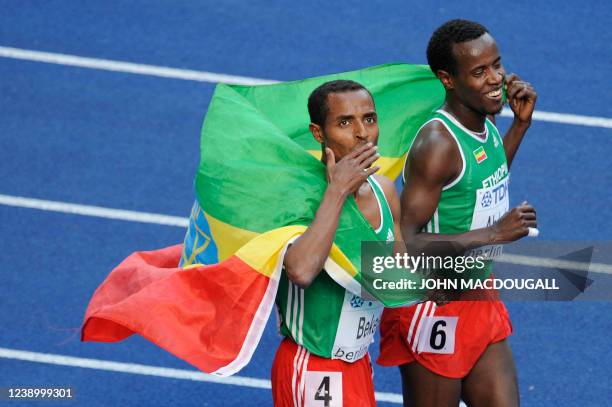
(565, 118)
(134, 368)
(203, 76)
(96, 211)
(128, 67)
(532, 261)
(157, 219)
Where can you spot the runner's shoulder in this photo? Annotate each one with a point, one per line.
(434, 140)
(386, 184)
(391, 194)
(434, 154)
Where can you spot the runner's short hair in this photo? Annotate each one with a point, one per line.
(440, 48)
(317, 101)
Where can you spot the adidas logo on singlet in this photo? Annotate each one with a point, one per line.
(389, 235)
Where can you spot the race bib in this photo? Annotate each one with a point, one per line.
(437, 335)
(359, 321)
(323, 389)
(491, 204)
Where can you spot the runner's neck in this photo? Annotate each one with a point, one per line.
(472, 121)
(482, 135)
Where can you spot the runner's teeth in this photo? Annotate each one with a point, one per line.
(494, 93)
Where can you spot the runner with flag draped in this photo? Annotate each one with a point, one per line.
(328, 330)
(258, 186)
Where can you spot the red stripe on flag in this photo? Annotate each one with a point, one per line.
(201, 314)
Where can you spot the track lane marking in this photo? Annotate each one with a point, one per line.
(212, 77)
(95, 211)
(158, 371)
(128, 67)
(166, 220)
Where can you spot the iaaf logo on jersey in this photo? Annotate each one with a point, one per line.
(356, 302)
(495, 195)
(486, 200)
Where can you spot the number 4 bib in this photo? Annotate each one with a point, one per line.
(323, 389)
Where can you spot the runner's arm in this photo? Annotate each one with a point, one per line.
(522, 98)
(433, 162)
(306, 256)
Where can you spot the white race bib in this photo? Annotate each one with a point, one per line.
(491, 204)
(323, 389)
(358, 323)
(438, 335)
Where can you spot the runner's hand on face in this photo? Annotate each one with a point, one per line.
(515, 224)
(522, 98)
(353, 169)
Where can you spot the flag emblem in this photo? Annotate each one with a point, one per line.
(480, 154)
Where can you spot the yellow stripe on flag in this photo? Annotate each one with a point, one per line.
(227, 238)
(340, 258)
(262, 252)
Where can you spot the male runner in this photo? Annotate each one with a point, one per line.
(323, 359)
(456, 183)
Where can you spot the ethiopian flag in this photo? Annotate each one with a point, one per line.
(480, 154)
(258, 186)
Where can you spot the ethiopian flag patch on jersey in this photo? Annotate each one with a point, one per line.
(480, 154)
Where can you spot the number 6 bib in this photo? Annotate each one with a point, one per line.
(437, 335)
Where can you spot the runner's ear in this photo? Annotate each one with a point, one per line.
(317, 132)
(446, 79)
